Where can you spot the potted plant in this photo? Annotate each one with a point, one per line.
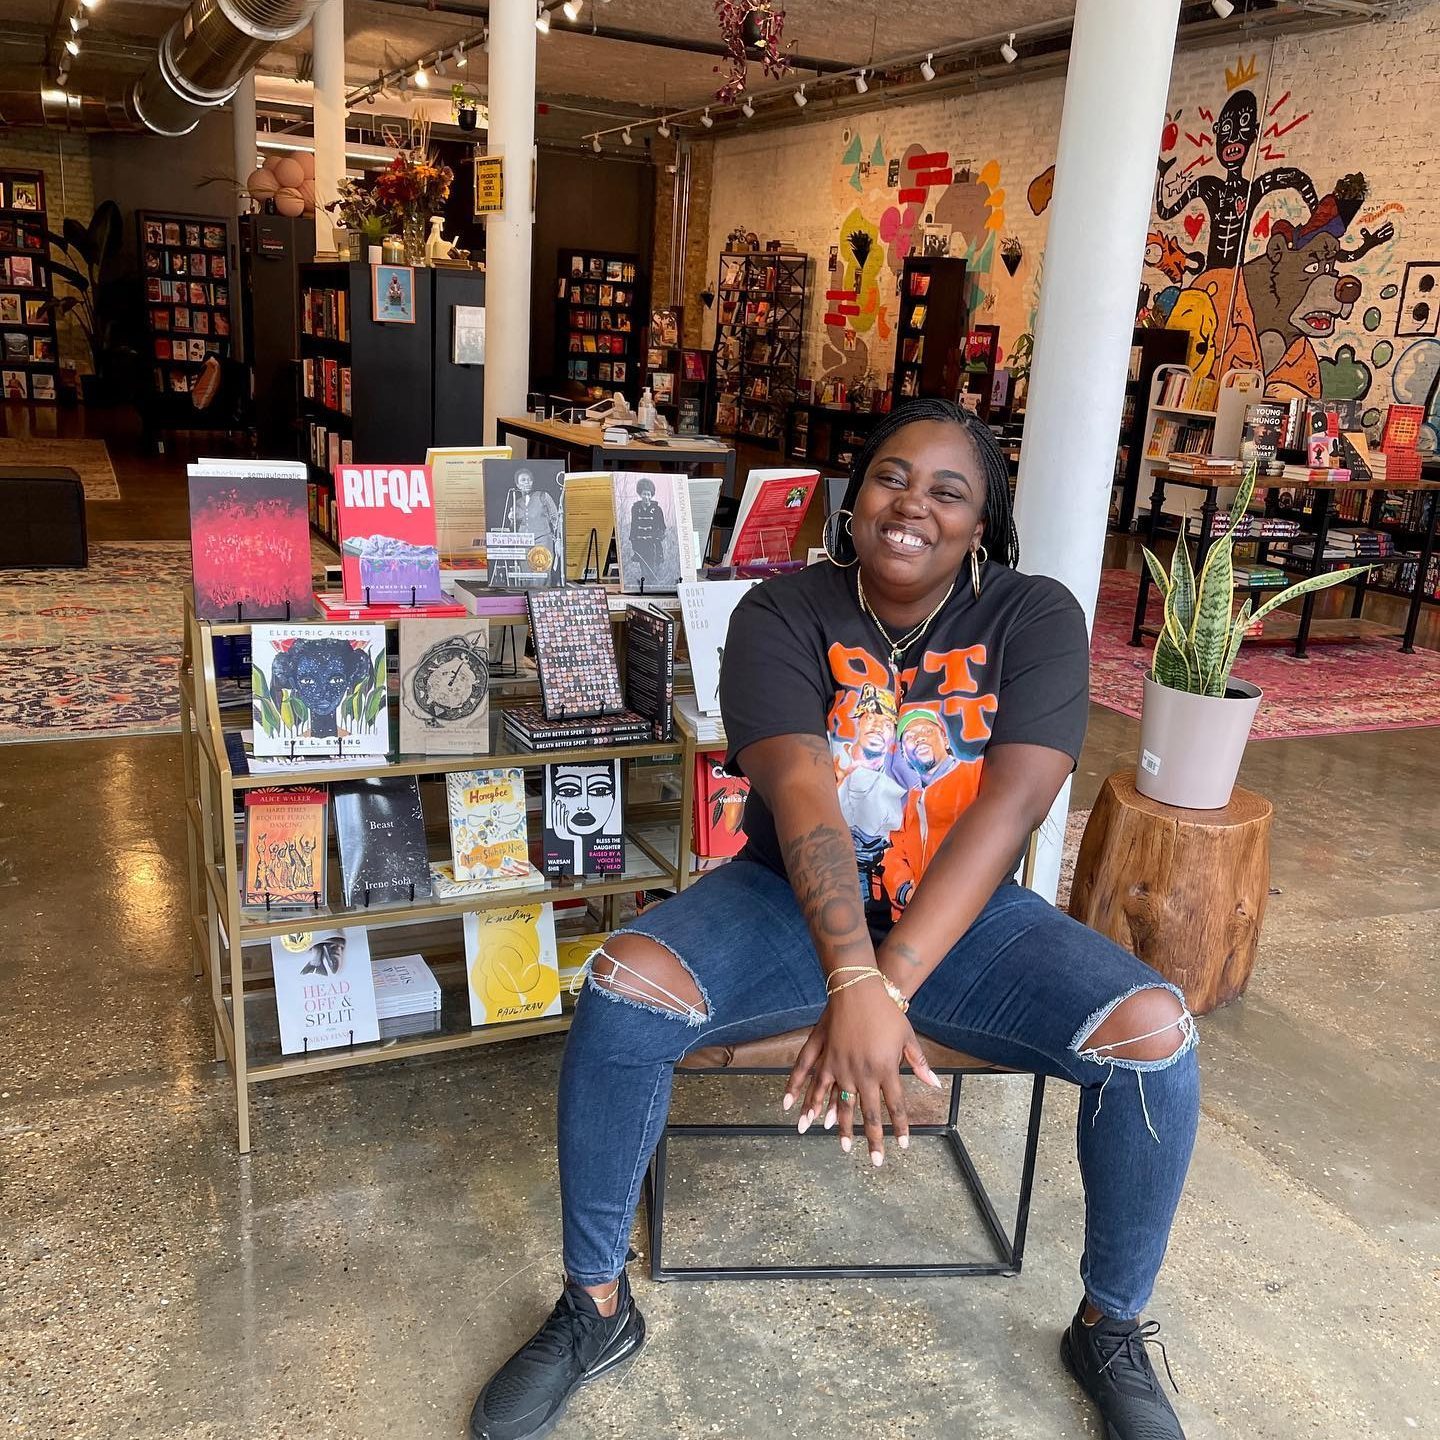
(372, 231)
(90, 251)
(465, 104)
(1196, 716)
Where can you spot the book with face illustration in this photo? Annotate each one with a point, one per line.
(324, 989)
(525, 523)
(584, 830)
(488, 835)
(319, 689)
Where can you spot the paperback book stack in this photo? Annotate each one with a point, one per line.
(407, 997)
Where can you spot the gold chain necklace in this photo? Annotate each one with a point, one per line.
(898, 647)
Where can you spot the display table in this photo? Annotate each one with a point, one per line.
(1307, 627)
(582, 447)
(1185, 890)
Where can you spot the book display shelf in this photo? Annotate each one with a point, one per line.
(599, 322)
(759, 325)
(185, 269)
(677, 376)
(826, 436)
(28, 343)
(231, 943)
(1149, 349)
(930, 352)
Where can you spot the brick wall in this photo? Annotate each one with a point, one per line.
(1342, 103)
(65, 161)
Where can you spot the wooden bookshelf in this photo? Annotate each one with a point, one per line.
(29, 345)
(931, 331)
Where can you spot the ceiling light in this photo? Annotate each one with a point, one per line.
(439, 65)
(747, 109)
(705, 119)
(573, 8)
(90, 4)
(421, 78)
(370, 98)
(1223, 8)
(664, 127)
(78, 22)
(595, 144)
(542, 19)
(1008, 53)
(73, 45)
(800, 98)
(461, 59)
(861, 83)
(627, 137)
(927, 69)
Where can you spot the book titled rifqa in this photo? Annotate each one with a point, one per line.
(335, 606)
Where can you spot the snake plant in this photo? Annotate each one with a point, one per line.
(1201, 637)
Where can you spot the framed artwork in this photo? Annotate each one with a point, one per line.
(665, 328)
(468, 340)
(24, 195)
(35, 312)
(392, 294)
(695, 364)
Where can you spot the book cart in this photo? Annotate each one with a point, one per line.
(28, 341)
(759, 325)
(231, 944)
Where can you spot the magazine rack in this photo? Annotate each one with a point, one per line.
(230, 944)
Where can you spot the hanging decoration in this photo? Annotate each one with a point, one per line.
(752, 30)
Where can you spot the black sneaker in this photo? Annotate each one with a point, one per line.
(1111, 1363)
(574, 1346)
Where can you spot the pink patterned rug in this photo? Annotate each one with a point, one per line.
(1338, 689)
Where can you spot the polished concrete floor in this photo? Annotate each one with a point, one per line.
(396, 1229)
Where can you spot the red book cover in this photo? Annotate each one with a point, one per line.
(387, 534)
(719, 810)
(250, 542)
(772, 510)
(1402, 427)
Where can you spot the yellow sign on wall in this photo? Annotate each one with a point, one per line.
(489, 185)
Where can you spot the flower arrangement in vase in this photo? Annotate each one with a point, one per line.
(412, 188)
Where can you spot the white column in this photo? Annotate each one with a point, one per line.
(242, 112)
(1115, 92)
(327, 32)
(508, 236)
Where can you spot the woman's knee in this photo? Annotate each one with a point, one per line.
(1148, 1026)
(636, 970)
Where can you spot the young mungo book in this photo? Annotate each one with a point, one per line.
(324, 990)
(511, 964)
(387, 534)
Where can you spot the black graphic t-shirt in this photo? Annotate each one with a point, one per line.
(802, 658)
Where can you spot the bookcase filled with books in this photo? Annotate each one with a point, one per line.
(1150, 347)
(931, 328)
(185, 270)
(599, 321)
(759, 327)
(29, 357)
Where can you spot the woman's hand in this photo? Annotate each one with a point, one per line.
(858, 1046)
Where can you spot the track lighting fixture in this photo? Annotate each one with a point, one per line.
(1223, 8)
(800, 98)
(595, 144)
(90, 4)
(664, 127)
(78, 23)
(439, 64)
(747, 108)
(73, 45)
(461, 59)
(1008, 53)
(572, 9)
(705, 119)
(861, 83)
(421, 78)
(542, 18)
(626, 136)
(927, 68)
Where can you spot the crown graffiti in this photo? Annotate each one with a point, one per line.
(1242, 74)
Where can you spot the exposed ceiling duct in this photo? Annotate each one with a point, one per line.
(206, 53)
(63, 111)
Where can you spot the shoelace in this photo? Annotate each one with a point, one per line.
(1132, 1345)
(556, 1335)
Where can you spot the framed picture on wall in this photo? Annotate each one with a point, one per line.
(24, 195)
(468, 344)
(392, 294)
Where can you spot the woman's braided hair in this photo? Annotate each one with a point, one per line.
(1001, 542)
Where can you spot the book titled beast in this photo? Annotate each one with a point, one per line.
(250, 541)
(380, 832)
(511, 964)
(387, 534)
(284, 848)
(324, 989)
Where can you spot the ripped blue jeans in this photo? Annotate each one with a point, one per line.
(1025, 987)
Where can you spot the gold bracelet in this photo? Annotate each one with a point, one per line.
(869, 972)
(895, 993)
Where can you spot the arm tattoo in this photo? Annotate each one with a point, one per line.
(826, 880)
(906, 954)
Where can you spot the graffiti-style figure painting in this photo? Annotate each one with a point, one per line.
(1228, 200)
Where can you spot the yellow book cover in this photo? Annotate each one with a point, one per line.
(488, 835)
(588, 509)
(574, 952)
(511, 964)
(458, 492)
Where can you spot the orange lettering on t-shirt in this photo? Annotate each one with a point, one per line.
(853, 666)
(959, 689)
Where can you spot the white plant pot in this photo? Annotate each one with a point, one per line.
(374, 254)
(1191, 745)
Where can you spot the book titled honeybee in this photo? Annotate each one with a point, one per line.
(285, 832)
(511, 964)
(488, 839)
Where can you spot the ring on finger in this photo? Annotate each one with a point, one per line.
(846, 1096)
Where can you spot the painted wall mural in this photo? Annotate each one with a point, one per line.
(917, 200)
(1272, 267)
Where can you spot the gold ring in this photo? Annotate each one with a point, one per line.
(846, 1095)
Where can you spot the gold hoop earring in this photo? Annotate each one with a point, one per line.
(844, 517)
(977, 557)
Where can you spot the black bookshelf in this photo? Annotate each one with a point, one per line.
(826, 436)
(1149, 349)
(759, 327)
(29, 345)
(930, 339)
(185, 275)
(599, 322)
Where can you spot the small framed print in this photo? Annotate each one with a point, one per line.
(35, 312)
(17, 384)
(392, 294)
(182, 317)
(24, 195)
(468, 347)
(192, 234)
(154, 233)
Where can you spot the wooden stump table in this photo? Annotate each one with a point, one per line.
(1185, 890)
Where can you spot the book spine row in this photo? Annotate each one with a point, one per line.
(577, 742)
